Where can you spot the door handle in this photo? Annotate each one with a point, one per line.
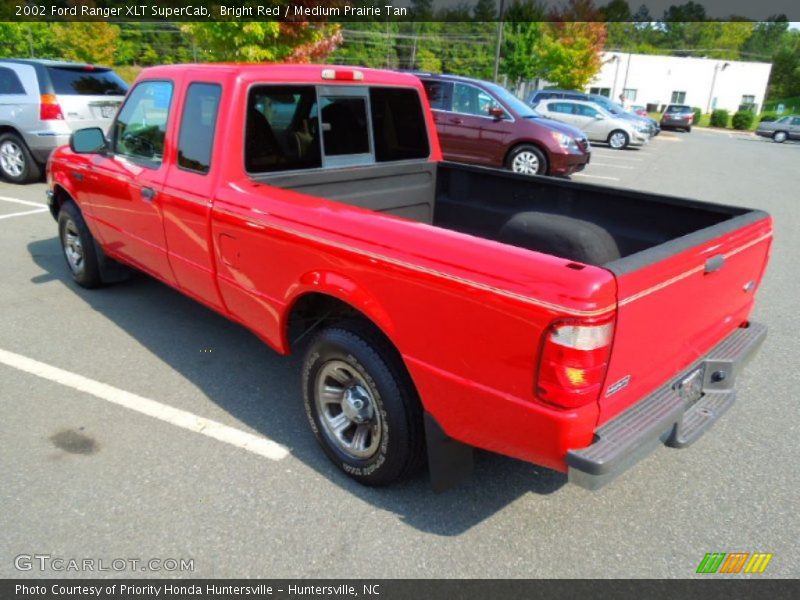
(456, 121)
(715, 263)
(148, 194)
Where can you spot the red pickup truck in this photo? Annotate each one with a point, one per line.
(442, 306)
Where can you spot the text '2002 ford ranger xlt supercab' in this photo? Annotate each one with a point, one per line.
(442, 306)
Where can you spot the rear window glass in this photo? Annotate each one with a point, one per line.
(294, 127)
(85, 82)
(344, 125)
(674, 108)
(398, 124)
(9, 82)
(282, 131)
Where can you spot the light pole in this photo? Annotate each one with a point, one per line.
(616, 59)
(499, 40)
(717, 68)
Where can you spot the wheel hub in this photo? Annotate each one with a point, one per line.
(357, 404)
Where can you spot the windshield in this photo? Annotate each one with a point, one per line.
(518, 106)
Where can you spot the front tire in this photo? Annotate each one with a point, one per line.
(78, 247)
(527, 160)
(362, 406)
(618, 139)
(779, 136)
(16, 161)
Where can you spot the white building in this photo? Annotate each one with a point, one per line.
(703, 82)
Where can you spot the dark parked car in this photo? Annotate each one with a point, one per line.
(677, 116)
(645, 123)
(483, 123)
(785, 128)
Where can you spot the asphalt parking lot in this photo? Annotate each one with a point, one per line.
(82, 475)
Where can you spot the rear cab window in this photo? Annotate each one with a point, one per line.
(86, 81)
(307, 127)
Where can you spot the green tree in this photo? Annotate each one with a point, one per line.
(485, 11)
(263, 41)
(28, 39)
(785, 79)
(523, 30)
(766, 38)
(89, 41)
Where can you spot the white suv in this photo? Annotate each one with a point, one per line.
(42, 102)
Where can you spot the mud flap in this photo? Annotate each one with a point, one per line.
(449, 462)
(110, 270)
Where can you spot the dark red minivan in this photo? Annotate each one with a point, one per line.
(482, 123)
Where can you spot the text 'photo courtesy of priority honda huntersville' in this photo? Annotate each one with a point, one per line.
(440, 306)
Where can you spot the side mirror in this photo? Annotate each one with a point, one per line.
(91, 140)
(496, 112)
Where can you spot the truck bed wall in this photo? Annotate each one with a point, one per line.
(480, 201)
(405, 189)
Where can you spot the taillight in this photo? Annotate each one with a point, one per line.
(573, 361)
(49, 109)
(691, 117)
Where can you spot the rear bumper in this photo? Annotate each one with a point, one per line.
(663, 417)
(42, 143)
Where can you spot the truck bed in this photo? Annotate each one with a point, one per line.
(644, 227)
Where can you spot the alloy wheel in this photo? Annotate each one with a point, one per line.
(349, 414)
(12, 160)
(526, 163)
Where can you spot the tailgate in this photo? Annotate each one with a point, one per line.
(677, 301)
(89, 111)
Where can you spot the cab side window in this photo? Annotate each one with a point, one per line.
(141, 125)
(198, 124)
(585, 111)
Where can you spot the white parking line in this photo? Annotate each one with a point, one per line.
(616, 156)
(597, 164)
(25, 202)
(22, 214)
(595, 176)
(174, 416)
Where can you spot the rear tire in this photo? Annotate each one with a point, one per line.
(689, 129)
(78, 247)
(527, 160)
(779, 136)
(362, 406)
(17, 164)
(618, 139)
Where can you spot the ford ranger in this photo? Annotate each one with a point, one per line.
(441, 307)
